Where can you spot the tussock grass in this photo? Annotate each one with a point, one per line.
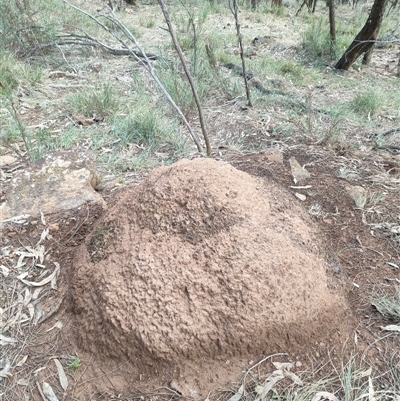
(100, 101)
(369, 101)
(316, 39)
(388, 305)
(14, 72)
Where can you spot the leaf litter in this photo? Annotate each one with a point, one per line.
(22, 311)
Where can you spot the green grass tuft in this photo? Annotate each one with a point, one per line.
(367, 102)
(388, 306)
(100, 101)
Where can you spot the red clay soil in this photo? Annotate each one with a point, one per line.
(201, 260)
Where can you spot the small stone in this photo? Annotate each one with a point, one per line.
(299, 173)
(300, 196)
(358, 194)
(54, 227)
(6, 160)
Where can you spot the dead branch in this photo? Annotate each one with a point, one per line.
(234, 10)
(86, 40)
(388, 132)
(187, 73)
(143, 61)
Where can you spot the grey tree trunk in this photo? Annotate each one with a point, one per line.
(364, 42)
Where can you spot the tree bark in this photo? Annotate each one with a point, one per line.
(364, 42)
(254, 4)
(332, 27)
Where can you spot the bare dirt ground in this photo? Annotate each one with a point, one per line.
(351, 200)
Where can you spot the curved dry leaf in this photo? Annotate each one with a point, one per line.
(22, 275)
(238, 395)
(371, 391)
(39, 314)
(27, 297)
(48, 392)
(390, 327)
(22, 361)
(43, 236)
(5, 372)
(42, 219)
(36, 293)
(7, 340)
(296, 379)
(5, 271)
(48, 279)
(54, 280)
(275, 376)
(18, 219)
(31, 310)
(61, 375)
(58, 325)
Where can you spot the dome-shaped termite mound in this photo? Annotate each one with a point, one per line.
(201, 260)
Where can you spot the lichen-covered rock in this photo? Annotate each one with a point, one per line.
(58, 182)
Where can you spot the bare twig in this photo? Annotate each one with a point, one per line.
(234, 10)
(145, 63)
(21, 127)
(388, 132)
(188, 74)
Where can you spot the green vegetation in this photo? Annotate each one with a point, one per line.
(388, 306)
(369, 101)
(100, 101)
(74, 363)
(133, 113)
(316, 39)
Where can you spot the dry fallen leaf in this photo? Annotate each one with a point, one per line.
(39, 314)
(5, 271)
(391, 327)
(42, 218)
(275, 376)
(371, 392)
(6, 340)
(58, 325)
(44, 235)
(49, 393)
(61, 375)
(5, 371)
(22, 361)
(27, 297)
(36, 293)
(238, 394)
(48, 279)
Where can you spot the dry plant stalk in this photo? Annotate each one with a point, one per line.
(187, 73)
(145, 62)
(234, 9)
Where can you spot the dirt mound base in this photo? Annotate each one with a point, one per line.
(202, 260)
